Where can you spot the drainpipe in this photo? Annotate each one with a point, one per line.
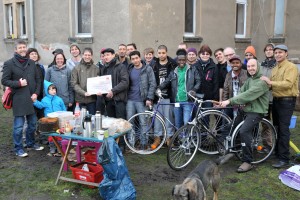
(32, 24)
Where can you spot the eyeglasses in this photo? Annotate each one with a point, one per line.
(205, 54)
(229, 55)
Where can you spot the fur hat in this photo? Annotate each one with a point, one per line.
(250, 49)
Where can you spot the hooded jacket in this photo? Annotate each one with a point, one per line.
(50, 103)
(254, 94)
(192, 81)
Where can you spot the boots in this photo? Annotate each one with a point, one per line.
(156, 142)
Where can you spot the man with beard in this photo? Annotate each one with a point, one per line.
(122, 55)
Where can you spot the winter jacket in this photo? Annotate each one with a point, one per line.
(147, 82)
(209, 79)
(171, 65)
(41, 71)
(13, 70)
(228, 89)
(50, 103)
(254, 94)
(61, 78)
(192, 82)
(222, 71)
(79, 76)
(120, 79)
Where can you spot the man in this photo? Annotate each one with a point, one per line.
(228, 53)
(254, 95)
(250, 53)
(76, 58)
(141, 88)
(182, 80)
(222, 69)
(234, 80)
(191, 56)
(122, 55)
(164, 65)
(284, 85)
(182, 45)
(266, 68)
(21, 75)
(130, 47)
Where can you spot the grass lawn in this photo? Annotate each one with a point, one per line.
(33, 177)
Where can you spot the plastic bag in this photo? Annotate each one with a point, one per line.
(116, 184)
(115, 125)
(291, 177)
(104, 154)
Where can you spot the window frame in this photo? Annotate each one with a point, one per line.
(244, 3)
(82, 35)
(191, 34)
(21, 24)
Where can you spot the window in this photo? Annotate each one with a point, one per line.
(279, 18)
(241, 14)
(22, 22)
(83, 18)
(9, 20)
(190, 17)
(15, 19)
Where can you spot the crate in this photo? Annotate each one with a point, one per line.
(293, 121)
(95, 173)
(90, 156)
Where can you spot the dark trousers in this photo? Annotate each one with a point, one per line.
(282, 113)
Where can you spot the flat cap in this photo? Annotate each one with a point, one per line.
(57, 51)
(235, 57)
(108, 50)
(281, 46)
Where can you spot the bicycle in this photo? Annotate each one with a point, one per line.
(140, 138)
(206, 135)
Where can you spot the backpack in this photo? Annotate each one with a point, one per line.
(7, 98)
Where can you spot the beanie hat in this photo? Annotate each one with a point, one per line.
(250, 49)
(75, 44)
(57, 51)
(108, 50)
(192, 50)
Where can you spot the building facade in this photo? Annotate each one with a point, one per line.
(50, 24)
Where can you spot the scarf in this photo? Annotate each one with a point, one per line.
(21, 59)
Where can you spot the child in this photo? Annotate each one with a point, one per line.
(51, 103)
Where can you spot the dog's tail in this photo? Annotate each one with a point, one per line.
(224, 159)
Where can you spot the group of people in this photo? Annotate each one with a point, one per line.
(266, 88)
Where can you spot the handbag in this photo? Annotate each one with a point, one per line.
(7, 98)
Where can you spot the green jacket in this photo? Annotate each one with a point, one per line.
(254, 94)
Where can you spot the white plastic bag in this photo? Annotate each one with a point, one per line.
(115, 125)
(291, 177)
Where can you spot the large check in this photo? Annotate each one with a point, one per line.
(98, 84)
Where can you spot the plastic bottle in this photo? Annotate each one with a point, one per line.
(77, 126)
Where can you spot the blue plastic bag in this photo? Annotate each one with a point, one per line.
(116, 184)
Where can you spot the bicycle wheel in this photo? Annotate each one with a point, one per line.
(262, 144)
(212, 123)
(142, 134)
(183, 146)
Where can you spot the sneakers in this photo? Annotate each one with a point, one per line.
(21, 153)
(156, 142)
(35, 147)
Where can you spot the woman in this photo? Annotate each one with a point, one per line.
(81, 72)
(33, 54)
(208, 74)
(60, 75)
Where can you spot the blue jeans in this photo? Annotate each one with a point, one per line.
(132, 108)
(167, 111)
(19, 122)
(182, 113)
(91, 107)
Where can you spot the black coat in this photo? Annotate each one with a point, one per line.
(12, 72)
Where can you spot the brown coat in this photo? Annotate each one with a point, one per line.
(227, 89)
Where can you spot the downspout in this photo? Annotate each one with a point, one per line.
(32, 25)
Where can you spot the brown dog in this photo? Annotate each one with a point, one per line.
(195, 185)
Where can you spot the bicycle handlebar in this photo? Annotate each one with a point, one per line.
(199, 98)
